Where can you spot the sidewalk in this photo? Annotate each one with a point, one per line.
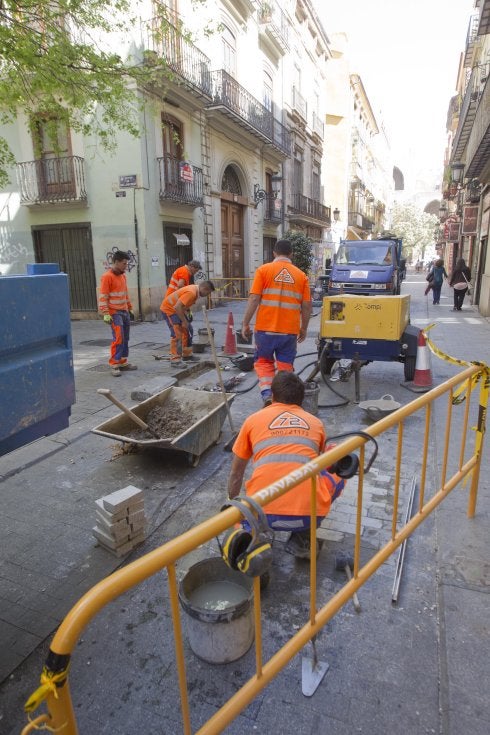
(421, 667)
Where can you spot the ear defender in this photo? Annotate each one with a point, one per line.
(244, 551)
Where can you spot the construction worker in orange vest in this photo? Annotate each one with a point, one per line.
(281, 293)
(175, 309)
(280, 438)
(116, 308)
(183, 276)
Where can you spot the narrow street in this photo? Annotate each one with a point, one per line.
(418, 667)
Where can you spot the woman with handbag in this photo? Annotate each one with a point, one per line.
(460, 281)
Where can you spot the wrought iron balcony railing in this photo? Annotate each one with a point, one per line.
(248, 112)
(310, 208)
(473, 93)
(358, 219)
(274, 19)
(273, 209)
(180, 181)
(317, 125)
(52, 180)
(299, 103)
(181, 56)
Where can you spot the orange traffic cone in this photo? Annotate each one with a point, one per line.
(230, 339)
(422, 378)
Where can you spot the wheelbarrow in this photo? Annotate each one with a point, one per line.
(209, 408)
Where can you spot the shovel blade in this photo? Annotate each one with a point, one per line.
(312, 674)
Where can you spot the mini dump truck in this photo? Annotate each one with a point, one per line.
(367, 328)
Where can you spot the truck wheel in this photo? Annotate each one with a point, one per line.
(326, 364)
(409, 367)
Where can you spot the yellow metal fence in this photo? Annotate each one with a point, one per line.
(54, 687)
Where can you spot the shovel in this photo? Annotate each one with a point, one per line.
(107, 393)
(230, 443)
(312, 672)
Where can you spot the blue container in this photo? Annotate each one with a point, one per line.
(42, 269)
(37, 384)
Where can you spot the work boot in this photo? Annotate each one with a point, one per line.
(127, 366)
(190, 358)
(115, 372)
(176, 363)
(298, 544)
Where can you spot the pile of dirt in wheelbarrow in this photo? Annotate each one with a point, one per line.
(167, 420)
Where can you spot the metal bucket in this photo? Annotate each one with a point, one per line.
(310, 401)
(219, 611)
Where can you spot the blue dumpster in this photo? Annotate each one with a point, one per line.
(37, 384)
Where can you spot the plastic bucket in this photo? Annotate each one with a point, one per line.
(310, 401)
(217, 602)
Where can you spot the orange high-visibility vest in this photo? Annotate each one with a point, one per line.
(113, 293)
(181, 274)
(283, 287)
(279, 439)
(188, 295)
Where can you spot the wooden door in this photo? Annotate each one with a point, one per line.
(232, 244)
(53, 150)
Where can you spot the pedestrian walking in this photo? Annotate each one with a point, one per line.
(279, 439)
(281, 293)
(176, 311)
(116, 309)
(460, 280)
(183, 276)
(438, 275)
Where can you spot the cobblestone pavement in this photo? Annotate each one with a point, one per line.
(418, 667)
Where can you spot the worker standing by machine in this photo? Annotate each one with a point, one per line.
(281, 293)
(280, 439)
(116, 308)
(175, 309)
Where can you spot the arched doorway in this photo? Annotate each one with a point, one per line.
(232, 247)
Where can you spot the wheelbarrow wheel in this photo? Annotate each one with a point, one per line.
(193, 459)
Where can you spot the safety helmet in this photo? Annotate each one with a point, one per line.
(249, 552)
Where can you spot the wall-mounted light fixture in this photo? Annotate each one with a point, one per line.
(336, 214)
(457, 172)
(261, 195)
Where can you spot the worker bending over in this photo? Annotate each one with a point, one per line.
(281, 293)
(175, 309)
(116, 308)
(280, 438)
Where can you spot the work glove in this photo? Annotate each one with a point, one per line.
(107, 318)
(131, 316)
(188, 316)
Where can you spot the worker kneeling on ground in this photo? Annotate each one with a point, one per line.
(280, 438)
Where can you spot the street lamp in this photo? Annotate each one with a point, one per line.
(442, 210)
(457, 172)
(261, 195)
(336, 214)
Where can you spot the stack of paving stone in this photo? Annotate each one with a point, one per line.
(121, 520)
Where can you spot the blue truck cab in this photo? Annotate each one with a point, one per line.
(369, 267)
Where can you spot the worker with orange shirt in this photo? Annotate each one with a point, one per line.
(175, 308)
(281, 438)
(281, 293)
(183, 276)
(116, 308)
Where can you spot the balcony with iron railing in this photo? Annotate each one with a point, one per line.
(52, 180)
(304, 206)
(317, 125)
(243, 108)
(471, 37)
(180, 55)
(475, 88)
(360, 220)
(274, 25)
(180, 181)
(298, 103)
(273, 210)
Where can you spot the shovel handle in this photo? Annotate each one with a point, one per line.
(355, 599)
(107, 393)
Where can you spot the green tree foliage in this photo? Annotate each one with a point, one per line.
(55, 63)
(302, 256)
(415, 227)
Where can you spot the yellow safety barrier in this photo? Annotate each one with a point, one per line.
(236, 289)
(55, 681)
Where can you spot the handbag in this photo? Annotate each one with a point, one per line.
(430, 277)
(468, 284)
